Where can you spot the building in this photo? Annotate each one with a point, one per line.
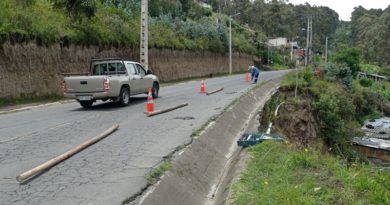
(278, 42)
(204, 4)
(375, 145)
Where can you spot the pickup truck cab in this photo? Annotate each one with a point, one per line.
(110, 79)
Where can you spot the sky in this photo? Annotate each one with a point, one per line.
(345, 7)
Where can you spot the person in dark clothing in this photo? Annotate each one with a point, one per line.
(255, 72)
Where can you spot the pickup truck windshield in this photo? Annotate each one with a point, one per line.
(108, 68)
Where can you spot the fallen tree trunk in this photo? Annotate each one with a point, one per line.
(157, 112)
(38, 169)
(215, 91)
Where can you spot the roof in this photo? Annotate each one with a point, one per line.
(377, 134)
(377, 128)
(372, 142)
(112, 59)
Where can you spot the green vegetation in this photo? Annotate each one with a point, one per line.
(154, 175)
(349, 56)
(116, 23)
(278, 173)
(45, 23)
(340, 103)
(368, 31)
(278, 18)
(179, 24)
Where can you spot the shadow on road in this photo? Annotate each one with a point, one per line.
(110, 105)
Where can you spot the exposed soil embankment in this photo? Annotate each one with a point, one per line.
(31, 70)
(295, 119)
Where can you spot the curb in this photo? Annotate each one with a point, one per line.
(35, 107)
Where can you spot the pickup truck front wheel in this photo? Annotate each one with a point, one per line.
(86, 104)
(124, 97)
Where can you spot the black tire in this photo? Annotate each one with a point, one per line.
(86, 104)
(155, 90)
(124, 97)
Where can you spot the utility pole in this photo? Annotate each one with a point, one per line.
(268, 61)
(230, 45)
(311, 40)
(307, 40)
(144, 59)
(326, 51)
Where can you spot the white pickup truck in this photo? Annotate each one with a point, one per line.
(113, 79)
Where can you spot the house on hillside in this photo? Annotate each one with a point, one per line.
(278, 42)
(375, 145)
(283, 42)
(375, 77)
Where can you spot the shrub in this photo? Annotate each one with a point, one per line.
(365, 82)
(339, 72)
(351, 57)
(308, 75)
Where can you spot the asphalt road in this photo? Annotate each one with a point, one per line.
(114, 168)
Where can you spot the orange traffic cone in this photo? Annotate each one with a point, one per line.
(246, 77)
(202, 87)
(150, 103)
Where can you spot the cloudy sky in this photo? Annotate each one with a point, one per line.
(345, 7)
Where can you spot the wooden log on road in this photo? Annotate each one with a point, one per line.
(215, 91)
(38, 169)
(157, 112)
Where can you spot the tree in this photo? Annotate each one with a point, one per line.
(186, 5)
(370, 33)
(351, 57)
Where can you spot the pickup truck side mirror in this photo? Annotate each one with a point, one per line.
(149, 72)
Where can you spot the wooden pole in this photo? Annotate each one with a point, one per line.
(22, 177)
(215, 91)
(157, 112)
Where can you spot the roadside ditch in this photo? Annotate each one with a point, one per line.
(200, 172)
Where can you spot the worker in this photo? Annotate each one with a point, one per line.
(254, 73)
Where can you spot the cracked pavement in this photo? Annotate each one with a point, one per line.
(113, 169)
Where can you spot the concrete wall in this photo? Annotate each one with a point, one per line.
(31, 70)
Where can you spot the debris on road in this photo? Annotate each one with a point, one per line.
(38, 169)
(157, 112)
(215, 91)
(248, 139)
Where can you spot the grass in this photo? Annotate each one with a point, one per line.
(30, 99)
(279, 67)
(154, 175)
(278, 173)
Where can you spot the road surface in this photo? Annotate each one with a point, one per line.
(114, 168)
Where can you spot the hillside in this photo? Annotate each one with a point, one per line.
(181, 24)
